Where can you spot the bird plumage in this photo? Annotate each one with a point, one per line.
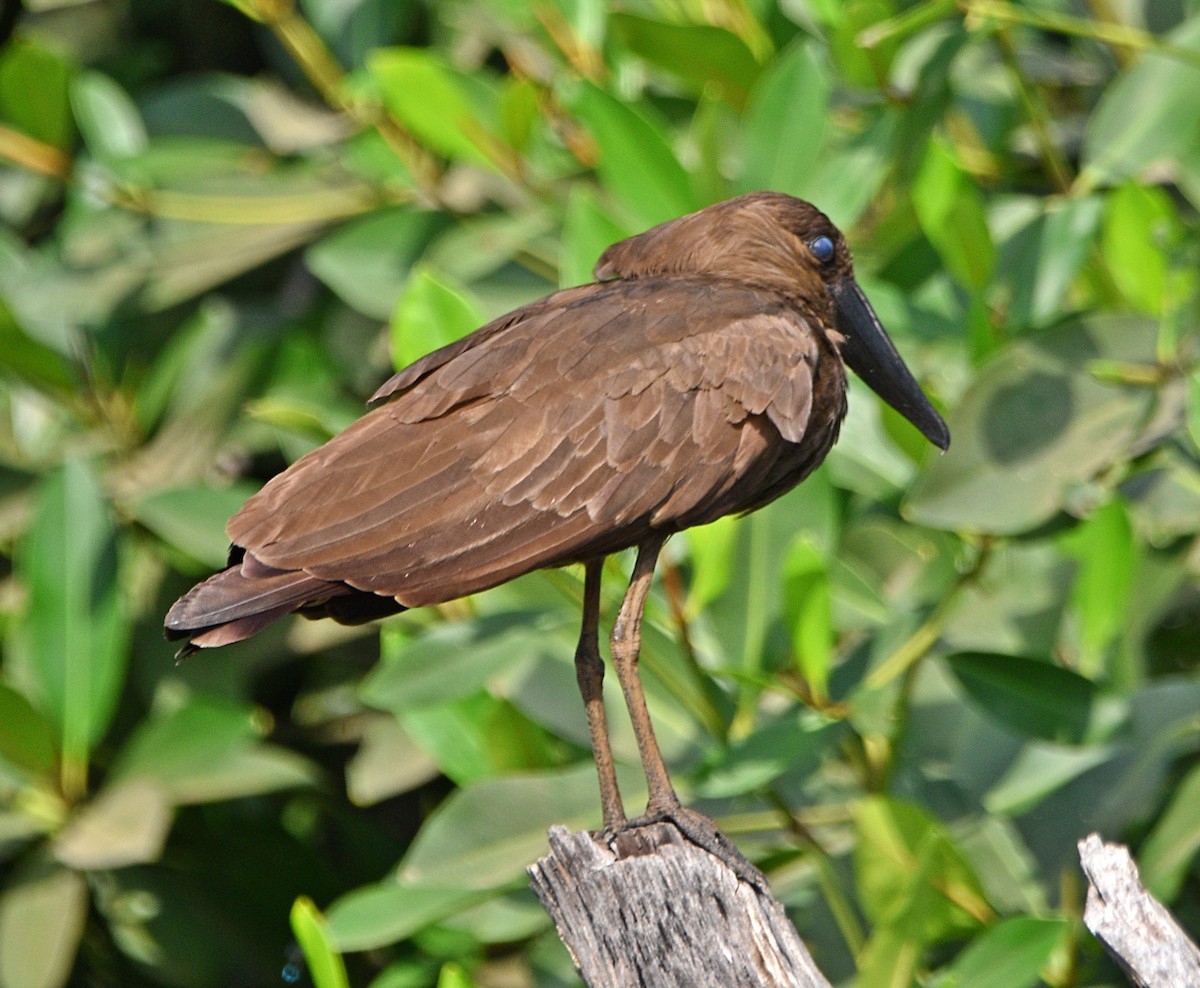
(684, 389)
(703, 375)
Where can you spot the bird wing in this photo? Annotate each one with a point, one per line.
(580, 425)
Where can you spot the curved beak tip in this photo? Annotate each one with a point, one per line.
(871, 355)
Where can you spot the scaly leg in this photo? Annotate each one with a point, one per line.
(589, 670)
(663, 804)
(626, 645)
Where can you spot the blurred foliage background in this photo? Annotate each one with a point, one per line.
(906, 689)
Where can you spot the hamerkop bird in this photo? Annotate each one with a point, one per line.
(703, 374)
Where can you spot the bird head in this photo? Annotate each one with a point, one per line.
(787, 245)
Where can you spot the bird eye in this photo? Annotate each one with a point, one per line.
(822, 249)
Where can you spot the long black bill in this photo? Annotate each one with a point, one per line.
(871, 355)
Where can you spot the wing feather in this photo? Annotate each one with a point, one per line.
(572, 428)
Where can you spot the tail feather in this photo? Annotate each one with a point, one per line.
(242, 600)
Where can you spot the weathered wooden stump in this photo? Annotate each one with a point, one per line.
(652, 908)
(1136, 929)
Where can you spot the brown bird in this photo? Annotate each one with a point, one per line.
(702, 375)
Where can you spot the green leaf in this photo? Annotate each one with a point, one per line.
(785, 122)
(704, 55)
(34, 85)
(430, 314)
(1010, 954)
(810, 615)
(1141, 229)
(325, 964)
(107, 118)
(1148, 115)
(386, 763)
(850, 172)
(125, 824)
(26, 737)
(890, 957)
(368, 260)
(1039, 770)
(477, 248)
(74, 634)
(1034, 424)
(42, 913)
(485, 835)
(1035, 698)
(1107, 554)
(453, 976)
(377, 915)
(455, 660)
(1193, 407)
(30, 360)
(1044, 244)
(587, 232)
(208, 750)
(193, 518)
(1166, 856)
(898, 840)
(711, 549)
(636, 163)
(950, 209)
(519, 112)
(430, 101)
(790, 744)
(478, 736)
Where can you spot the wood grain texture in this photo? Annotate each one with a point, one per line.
(651, 908)
(1135, 928)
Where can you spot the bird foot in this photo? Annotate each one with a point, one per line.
(645, 834)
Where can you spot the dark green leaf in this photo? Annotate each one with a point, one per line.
(479, 736)
(30, 360)
(1035, 698)
(1043, 249)
(455, 660)
(208, 750)
(26, 737)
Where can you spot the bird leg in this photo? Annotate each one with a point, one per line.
(626, 646)
(589, 670)
(663, 803)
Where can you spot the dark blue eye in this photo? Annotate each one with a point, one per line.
(822, 249)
